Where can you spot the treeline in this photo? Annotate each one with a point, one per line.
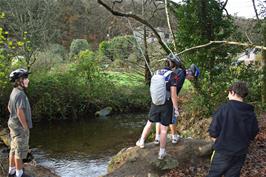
(78, 53)
(79, 85)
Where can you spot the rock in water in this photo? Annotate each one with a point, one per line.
(104, 112)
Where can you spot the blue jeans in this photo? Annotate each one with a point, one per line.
(227, 165)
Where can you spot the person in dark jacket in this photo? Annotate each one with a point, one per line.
(233, 127)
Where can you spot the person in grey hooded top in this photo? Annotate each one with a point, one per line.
(233, 127)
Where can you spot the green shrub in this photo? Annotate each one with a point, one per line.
(78, 45)
(123, 91)
(58, 50)
(206, 100)
(253, 76)
(57, 95)
(80, 88)
(46, 60)
(118, 48)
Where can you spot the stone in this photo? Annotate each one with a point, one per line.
(104, 112)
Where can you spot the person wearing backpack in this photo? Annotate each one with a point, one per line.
(191, 73)
(164, 102)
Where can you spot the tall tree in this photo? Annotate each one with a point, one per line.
(200, 22)
(113, 9)
(263, 92)
(261, 20)
(145, 17)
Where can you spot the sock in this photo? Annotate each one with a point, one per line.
(12, 170)
(162, 151)
(141, 140)
(174, 136)
(157, 137)
(19, 173)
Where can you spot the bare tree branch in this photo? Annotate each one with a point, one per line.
(223, 42)
(117, 1)
(155, 11)
(139, 19)
(223, 8)
(224, 5)
(169, 23)
(248, 38)
(255, 9)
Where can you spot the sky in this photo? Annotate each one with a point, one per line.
(241, 8)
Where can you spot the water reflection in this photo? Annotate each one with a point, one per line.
(83, 148)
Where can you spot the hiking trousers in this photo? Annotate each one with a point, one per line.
(227, 165)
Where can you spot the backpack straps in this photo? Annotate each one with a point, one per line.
(167, 73)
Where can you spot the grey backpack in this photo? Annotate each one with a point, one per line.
(158, 90)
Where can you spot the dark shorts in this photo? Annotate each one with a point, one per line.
(162, 113)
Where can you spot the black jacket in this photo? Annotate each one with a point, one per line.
(234, 125)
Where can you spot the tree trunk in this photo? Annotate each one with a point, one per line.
(263, 92)
(146, 55)
(208, 33)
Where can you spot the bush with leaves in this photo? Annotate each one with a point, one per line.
(8, 49)
(118, 48)
(57, 95)
(58, 50)
(79, 88)
(251, 74)
(78, 45)
(201, 22)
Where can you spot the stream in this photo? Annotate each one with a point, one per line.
(84, 147)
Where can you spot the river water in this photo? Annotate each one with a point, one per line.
(84, 147)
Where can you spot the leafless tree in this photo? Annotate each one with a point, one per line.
(33, 23)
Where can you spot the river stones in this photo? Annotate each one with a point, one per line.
(104, 112)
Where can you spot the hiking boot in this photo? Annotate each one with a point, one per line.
(175, 139)
(140, 144)
(161, 156)
(156, 142)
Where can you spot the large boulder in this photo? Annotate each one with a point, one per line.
(104, 112)
(143, 162)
